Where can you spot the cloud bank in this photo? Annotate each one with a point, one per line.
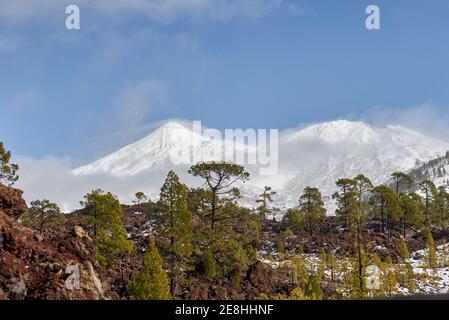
(50, 177)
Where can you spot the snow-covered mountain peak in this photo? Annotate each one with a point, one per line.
(334, 132)
(150, 152)
(317, 156)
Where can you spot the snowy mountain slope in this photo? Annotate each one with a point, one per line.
(317, 156)
(436, 170)
(165, 147)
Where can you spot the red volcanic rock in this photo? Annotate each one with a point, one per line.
(11, 202)
(33, 266)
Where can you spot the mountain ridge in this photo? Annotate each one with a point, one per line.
(316, 155)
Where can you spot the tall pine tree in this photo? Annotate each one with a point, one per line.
(174, 225)
(312, 206)
(104, 214)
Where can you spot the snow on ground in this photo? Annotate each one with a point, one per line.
(435, 280)
(428, 281)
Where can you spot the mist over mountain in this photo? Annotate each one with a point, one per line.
(317, 156)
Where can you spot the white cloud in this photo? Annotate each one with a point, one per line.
(427, 118)
(50, 178)
(137, 102)
(130, 116)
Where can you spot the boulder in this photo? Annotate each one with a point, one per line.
(11, 202)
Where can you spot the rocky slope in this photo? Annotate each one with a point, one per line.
(35, 266)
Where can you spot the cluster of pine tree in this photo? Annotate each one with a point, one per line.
(199, 231)
(392, 209)
(203, 232)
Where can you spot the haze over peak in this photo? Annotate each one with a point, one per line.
(316, 155)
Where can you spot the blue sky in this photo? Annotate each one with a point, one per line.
(229, 63)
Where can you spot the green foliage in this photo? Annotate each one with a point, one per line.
(442, 206)
(264, 200)
(403, 182)
(332, 265)
(359, 272)
(430, 192)
(403, 251)
(219, 178)
(312, 207)
(152, 282)
(222, 226)
(8, 171)
(297, 294)
(209, 264)
(44, 214)
(363, 186)
(280, 246)
(346, 200)
(431, 251)
(313, 289)
(288, 234)
(174, 225)
(103, 213)
(386, 206)
(140, 198)
(390, 281)
(412, 210)
(263, 296)
(299, 272)
(293, 218)
(322, 265)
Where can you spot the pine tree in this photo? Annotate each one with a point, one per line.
(322, 265)
(279, 246)
(403, 181)
(403, 251)
(44, 214)
(219, 177)
(348, 278)
(293, 218)
(362, 187)
(209, 264)
(431, 251)
(140, 198)
(174, 225)
(265, 199)
(297, 294)
(299, 273)
(390, 280)
(442, 206)
(152, 282)
(346, 200)
(385, 205)
(313, 289)
(312, 206)
(8, 170)
(429, 190)
(222, 226)
(406, 276)
(332, 265)
(412, 211)
(103, 212)
(359, 269)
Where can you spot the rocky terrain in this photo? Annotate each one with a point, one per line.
(35, 266)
